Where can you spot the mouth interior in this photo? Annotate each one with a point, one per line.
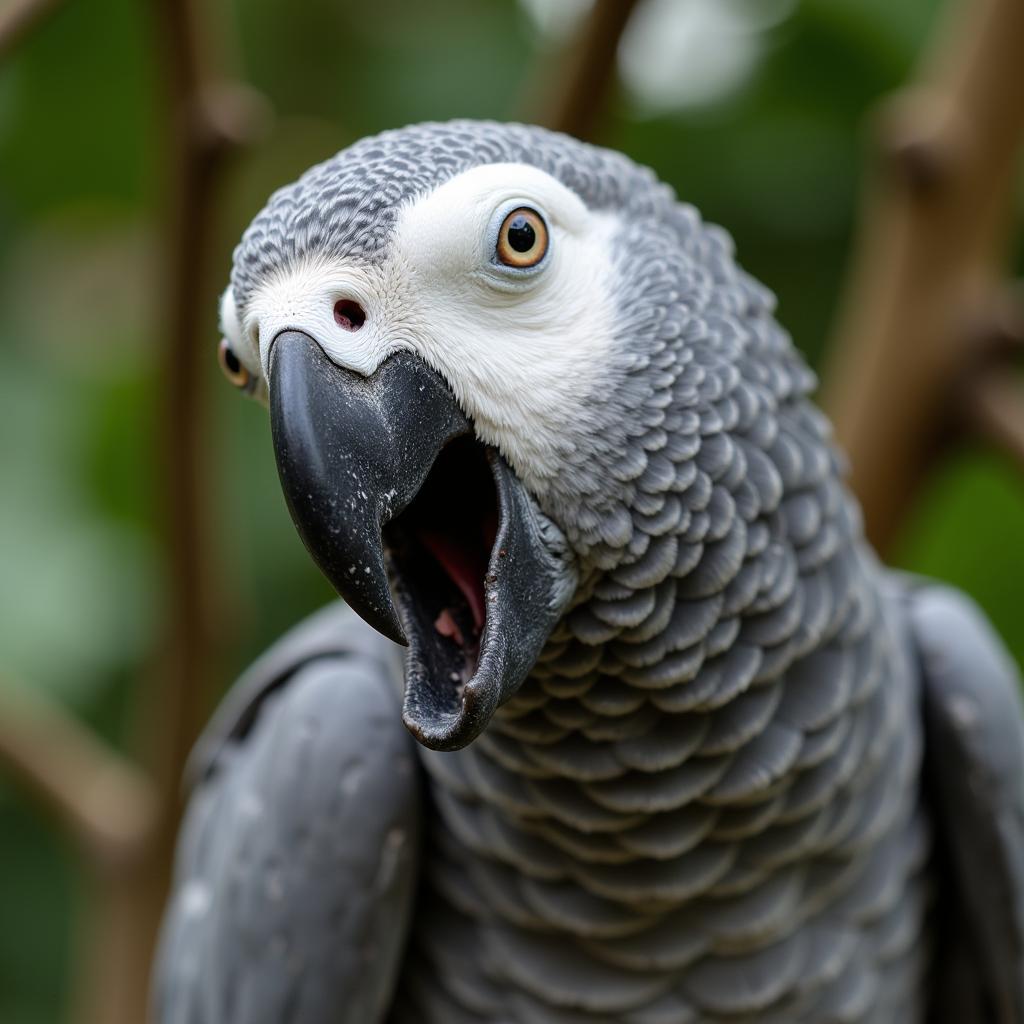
(439, 549)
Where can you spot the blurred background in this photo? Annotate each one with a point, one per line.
(755, 110)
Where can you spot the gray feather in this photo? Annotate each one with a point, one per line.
(706, 802)
(976, 758)
(297, 865)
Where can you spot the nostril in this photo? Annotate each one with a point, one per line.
(349, 314)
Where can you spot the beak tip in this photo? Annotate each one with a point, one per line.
(384, 620)
(446, 733)
(398, 636)
(447, 725)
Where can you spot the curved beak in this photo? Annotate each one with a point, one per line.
(389, 488)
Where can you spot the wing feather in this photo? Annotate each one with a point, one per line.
(297, 862)
(975, 758)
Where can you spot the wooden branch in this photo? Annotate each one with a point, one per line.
(19, 18)
(994, 404)
(206, 119)
(100, 799)
(932, 241)
(587, 71)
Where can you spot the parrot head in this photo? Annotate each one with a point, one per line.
(460, 330)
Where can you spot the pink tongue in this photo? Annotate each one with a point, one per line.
(465, 570)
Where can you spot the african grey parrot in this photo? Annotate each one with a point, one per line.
(687, 751)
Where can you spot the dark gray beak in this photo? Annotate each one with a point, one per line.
(386, 483)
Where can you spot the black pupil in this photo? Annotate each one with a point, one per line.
(521, 235)
(231, 361)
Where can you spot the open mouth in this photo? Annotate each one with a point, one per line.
(439, 551)
(388, 462)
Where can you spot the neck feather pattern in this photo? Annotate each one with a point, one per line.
(703, 779)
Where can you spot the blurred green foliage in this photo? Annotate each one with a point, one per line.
(777, 161)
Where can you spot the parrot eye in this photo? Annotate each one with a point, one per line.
(522, 239)
(233, 368)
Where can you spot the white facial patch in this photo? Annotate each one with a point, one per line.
(231, 329)
(303, 299)
(522, 351)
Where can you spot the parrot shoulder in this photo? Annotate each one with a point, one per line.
(974, 726)
(297, 862)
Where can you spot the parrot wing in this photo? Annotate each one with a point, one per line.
(296, 865)
(975, 776)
